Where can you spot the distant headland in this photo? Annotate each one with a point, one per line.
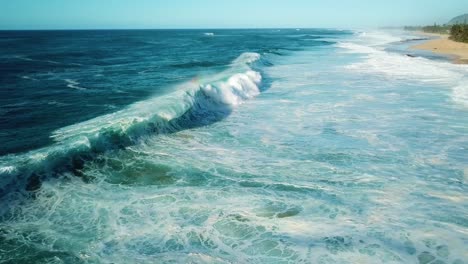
(452, 38)
(457, 28)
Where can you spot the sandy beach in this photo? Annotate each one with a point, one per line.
(443, 45)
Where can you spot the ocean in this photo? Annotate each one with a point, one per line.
(231, 146)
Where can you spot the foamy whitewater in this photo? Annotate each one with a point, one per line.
(231, 146)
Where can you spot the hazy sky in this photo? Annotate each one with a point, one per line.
(76, 14)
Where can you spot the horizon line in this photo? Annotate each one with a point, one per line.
(182, 28)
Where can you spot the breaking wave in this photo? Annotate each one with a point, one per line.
(195, 103)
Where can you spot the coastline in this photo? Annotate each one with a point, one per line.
(443, 45)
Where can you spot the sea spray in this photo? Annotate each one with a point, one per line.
(337, 160)
(176, 111)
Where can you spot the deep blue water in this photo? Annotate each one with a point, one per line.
(230, 146)
(84, 74)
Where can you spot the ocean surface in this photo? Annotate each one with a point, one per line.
(231, 146)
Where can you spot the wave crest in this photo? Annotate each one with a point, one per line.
(192, 104)
(236, 89)
(460, 95)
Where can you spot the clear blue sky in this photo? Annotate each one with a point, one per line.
(87, 14)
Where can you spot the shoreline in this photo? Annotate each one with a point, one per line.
(443, 45)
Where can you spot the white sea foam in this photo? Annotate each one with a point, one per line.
(377, 38)
(7, 169)
(460, 94)
(236, 89)
(247, 58)
(216, 92)
(24, 58)
(399, 66)
(234, 191)
(73, 84)
(356, 48)
(208, 34)
(231, 88)
(28, 78)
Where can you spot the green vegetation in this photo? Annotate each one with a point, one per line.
(444, 29)
(413, 28)
(459, 33)
(437, 29)
(457, 28)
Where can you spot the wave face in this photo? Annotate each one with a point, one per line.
(245, 146)
(194, 104)
(93, 73)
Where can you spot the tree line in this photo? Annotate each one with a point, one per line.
(458, 32)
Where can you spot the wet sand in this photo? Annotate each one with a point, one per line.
(443, 45)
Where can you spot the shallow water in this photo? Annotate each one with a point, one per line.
(306, 146)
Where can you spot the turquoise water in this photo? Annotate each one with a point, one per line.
(344, 151)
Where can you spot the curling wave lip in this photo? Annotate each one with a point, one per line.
(194, 104)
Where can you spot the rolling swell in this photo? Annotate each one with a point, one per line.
(193, 104)
(195, 64)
